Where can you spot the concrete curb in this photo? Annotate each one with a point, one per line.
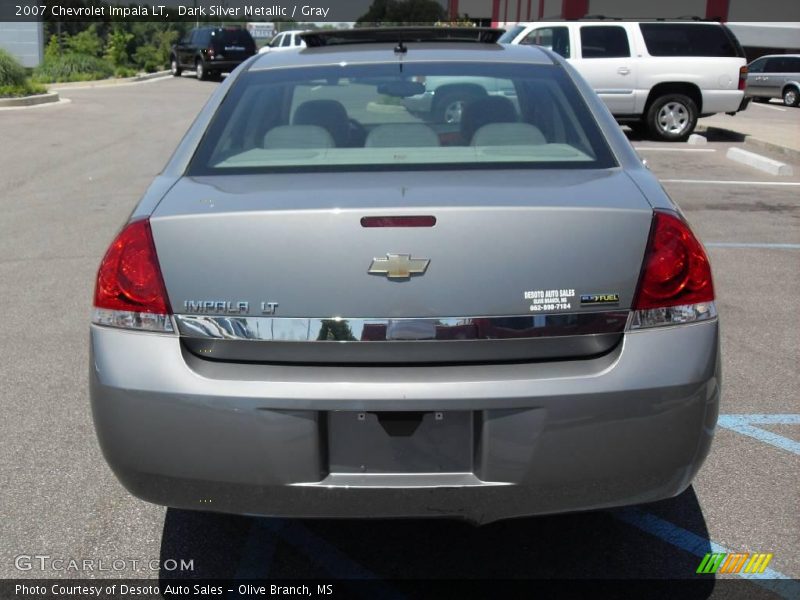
(68, 85)
(29, 100)
(762, 163)
(749, 140)
(391, 109)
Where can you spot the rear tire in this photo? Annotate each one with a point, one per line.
(791, 97)
(672, 118)
(200, 70)
(175, 67)
(449, 107)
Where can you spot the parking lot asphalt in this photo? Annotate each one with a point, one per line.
(73, 172)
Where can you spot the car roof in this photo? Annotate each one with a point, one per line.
(615, 21)
(776, 56)
(416, 52)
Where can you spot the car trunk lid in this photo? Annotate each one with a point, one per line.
(518, 266)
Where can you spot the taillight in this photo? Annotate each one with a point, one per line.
(675, 285)
(742, 77)
(130, 291)
(210, 51)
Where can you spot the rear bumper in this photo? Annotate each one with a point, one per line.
(629, 427)
(744, 104)
(223, 66)
(721, 101)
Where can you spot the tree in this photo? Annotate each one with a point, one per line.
(85, 42)
(117, 48)
(402, 12)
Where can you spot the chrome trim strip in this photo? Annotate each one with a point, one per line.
(289, 329)
(615, 92)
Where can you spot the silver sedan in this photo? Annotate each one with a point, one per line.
(328, 305)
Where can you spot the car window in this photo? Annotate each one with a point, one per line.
(685, 39)
(774, 65)
(511, 34)
(757, 66)
(203, 37)
(552, 38)
(276, 41)
(286, 41)
(602, 41)
(782, 64)
(374, 117)
(297, 39)
(237, 37)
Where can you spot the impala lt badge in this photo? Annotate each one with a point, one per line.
(398, 266)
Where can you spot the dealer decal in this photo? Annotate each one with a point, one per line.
(549, 300)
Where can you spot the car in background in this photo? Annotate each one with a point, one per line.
(658, 77)
(444, 98)
(211, 51)
(327, 305)
(286, 40)
(775, 76)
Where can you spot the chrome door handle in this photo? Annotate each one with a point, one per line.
(623, 70)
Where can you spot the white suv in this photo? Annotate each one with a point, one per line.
(658, 76)
(286, 40)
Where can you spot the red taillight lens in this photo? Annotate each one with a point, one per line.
(676, 270)
(742, 77)
(129, 278)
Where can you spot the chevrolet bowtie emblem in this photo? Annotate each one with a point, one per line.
(398, 266)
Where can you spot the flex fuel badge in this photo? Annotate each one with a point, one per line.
(549, 300)
(589, 299)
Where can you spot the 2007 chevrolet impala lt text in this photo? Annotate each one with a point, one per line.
(331, 304)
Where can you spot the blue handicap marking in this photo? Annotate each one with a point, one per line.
(748, 425)
(770, 579)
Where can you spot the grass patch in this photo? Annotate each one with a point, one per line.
(14, 81)
(18, 91)
(73, 67)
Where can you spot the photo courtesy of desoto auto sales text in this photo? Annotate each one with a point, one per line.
(399, 299)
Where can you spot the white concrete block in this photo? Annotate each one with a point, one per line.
(762, 163)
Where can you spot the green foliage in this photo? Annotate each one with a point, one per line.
(147, 58)
(73, 67)
(26, 89)
(126, 47)
(14, 79)
(163, 42)
(11, 72)
(117, 48)
(53, 48)
(402, 12)
(125, 72)
(86, 42)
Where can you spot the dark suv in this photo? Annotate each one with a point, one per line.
(210, 51)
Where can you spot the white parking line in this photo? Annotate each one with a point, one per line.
(656, 149)
(768, 106)
(724, 182)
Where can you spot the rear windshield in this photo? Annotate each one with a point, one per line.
(510, 34)
(240, 37)
(402, 116)
(684, 39)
